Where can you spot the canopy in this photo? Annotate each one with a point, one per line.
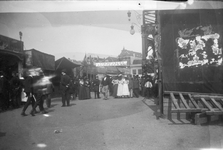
(64, 63)
(35, 58)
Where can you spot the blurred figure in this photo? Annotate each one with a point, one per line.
(130, 86)
(16, 89)
(4, 103)
(105, 89)
(115, 86)
(96, 83)
(28, 89)
(87, 85)
(136, 86)
(64, 86)
(40, 92)
(50, 90)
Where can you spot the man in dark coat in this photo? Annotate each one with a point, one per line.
(64, 86)
(16, 88)
(96, 83)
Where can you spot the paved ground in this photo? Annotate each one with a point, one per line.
(115, 124)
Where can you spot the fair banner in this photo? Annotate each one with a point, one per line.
(119, 63)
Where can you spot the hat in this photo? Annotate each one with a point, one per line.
(64, 70)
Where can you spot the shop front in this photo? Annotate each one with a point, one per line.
(11, 56)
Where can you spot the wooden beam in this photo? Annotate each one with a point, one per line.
(184, 110)
(216, 104)
(207, 105)
(184, 101)
(194, 93)
(193, 102)
(174, 101)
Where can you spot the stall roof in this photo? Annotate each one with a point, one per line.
(35, 58)
(64, 63)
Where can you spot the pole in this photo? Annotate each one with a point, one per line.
(160, 85)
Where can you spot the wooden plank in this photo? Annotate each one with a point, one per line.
(184, 101)
(185, 110)
(207, 97)
(193, 102)
(214, 112)
(174, 101)
(169, 109)
(206, 104)
(194, 93)
(216, 104)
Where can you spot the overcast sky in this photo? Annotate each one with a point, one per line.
(73, 28)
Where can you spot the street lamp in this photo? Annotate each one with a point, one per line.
(132, 31)
(20, 35)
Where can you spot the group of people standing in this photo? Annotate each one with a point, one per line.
(10, 91)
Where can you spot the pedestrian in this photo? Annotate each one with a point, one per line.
(130, 86)
(64, 86)
(3, 91)
(16, 89)
(50, 90)
(40, 92)
(125, 91)
(115, 86)
(28, 89)
(87, 85)
(82, 90)
(105, 84)
(148, 87)
(136, 86)
(120, 86)
(96, 83)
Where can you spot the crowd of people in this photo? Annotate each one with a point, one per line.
(38, 87)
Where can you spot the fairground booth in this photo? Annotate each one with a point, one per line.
(188, 47)
(11, 55)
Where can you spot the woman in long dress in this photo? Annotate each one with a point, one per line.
(115, 87)
(120, 87)
(125, 91)
(82, 91)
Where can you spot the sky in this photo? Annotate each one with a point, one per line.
(73, 28)
(62, 35)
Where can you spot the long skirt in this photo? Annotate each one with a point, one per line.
(82, 93)
(120, 90)
(115, 88)
(125, 91)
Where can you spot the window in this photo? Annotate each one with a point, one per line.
(134, 71)
(140, 71)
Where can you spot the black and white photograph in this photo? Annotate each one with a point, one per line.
(111, 75)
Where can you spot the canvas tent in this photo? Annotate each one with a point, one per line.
(64, 63)
(35, 58)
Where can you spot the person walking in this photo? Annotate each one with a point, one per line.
(105, 83)
(40, 92)
(64, 86)
(50, 89)
(28, 89)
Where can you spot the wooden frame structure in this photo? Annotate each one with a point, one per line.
(192, 103)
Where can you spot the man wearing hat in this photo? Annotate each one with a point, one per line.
(64, 86)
